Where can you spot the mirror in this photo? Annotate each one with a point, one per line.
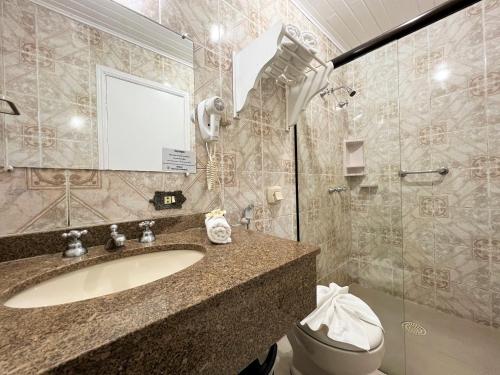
(105, 88)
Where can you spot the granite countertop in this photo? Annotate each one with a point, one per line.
(41, 339)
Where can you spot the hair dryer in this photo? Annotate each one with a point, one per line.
(208, 115)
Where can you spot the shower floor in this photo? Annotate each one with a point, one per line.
(451, 345)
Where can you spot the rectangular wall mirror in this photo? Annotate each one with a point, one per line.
(106, 88)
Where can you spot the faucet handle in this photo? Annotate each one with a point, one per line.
(75, 247)
(147, 234)
(75, 234)
(116, 239)
(146, 224)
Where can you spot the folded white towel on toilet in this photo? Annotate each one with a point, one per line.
(342, 313)
(218, 229)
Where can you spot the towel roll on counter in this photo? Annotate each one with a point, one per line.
(218, 229)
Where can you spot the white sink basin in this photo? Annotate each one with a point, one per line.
(105, 278)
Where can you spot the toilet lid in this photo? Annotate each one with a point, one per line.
(375, 337)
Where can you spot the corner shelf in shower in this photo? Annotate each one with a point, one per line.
(264, 56)
(354, 157)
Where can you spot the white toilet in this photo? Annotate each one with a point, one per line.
(314, 353)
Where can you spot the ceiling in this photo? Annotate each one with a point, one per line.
(352, 22)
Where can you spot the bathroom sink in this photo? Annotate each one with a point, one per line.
(105, 278)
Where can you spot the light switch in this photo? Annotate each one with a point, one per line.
(274, 194)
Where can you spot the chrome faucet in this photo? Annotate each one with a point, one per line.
(75, 247)
(147, 234)
(117, 239)
(247, 215)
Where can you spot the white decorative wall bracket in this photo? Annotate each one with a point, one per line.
(279, 55)
(300, 95)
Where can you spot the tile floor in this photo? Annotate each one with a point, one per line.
(452, 345)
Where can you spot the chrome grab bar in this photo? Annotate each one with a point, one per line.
(337, 189)
(442, 171)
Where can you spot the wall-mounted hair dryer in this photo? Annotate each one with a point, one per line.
(208, 115)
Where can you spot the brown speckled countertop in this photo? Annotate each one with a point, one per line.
(48, 339)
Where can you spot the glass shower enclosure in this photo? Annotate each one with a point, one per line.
(423, 250)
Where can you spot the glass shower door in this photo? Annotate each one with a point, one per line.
(376, 261)
(449, 100)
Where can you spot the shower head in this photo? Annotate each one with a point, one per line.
(324, 92)
(347, 89)
(340, 104)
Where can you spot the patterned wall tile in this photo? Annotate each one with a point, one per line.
(64, 82)
(146, 64)
(464, 188)
(419, 289)
(19, 19)
(277, 148)
(108, 50)
(20, 71)
(433, 206)
(467, 302)
(26, 207)
(462, 267)
(461, 227)
(244, 140)
(149, 8)
(61, 38)
(192, 17)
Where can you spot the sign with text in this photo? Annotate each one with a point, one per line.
(178, 160)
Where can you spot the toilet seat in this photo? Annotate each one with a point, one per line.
(375, 337)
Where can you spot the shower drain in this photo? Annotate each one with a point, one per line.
(414, 328)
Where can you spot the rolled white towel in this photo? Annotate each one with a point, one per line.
(218, 229)
(310, 41)
(293, 31)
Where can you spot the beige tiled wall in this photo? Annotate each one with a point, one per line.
(49, 64)
(375, 198)
(325, 217)
(255, 152)
(441, 85)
